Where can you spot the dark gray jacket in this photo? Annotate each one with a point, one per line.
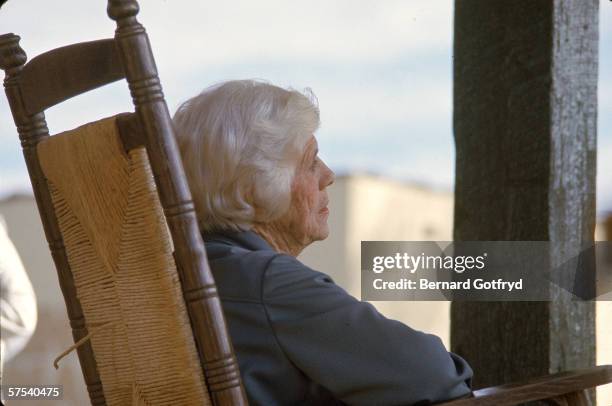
(301, 339)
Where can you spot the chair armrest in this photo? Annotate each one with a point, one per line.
(545, 387)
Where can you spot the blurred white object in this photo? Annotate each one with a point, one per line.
(18, 314)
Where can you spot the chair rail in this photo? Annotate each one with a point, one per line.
(553, 387)
(65, 72)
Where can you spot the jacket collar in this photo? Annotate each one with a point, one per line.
(247, 239)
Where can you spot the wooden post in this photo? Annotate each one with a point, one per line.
(203, 304)
(525, 104)
(32, 129)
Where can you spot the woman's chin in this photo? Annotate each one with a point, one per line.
(323, 232)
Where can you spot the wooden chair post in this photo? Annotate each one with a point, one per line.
(200, 293)
(32, 128)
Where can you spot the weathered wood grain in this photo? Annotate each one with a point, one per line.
(525, 102)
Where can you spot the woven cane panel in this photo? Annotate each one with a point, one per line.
(120, 254)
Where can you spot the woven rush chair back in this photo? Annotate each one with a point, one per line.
(120, 256)
(119, 219)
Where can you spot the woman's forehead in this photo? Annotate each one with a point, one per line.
(312, 144)
(311, 148)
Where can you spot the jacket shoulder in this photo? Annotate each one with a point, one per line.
(238, 271)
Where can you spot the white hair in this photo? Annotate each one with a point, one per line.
(241, 142)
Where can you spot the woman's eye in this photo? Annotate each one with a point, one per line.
(315, 163)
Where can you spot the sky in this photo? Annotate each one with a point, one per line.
(381, 70)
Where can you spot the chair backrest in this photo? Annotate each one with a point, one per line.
(120, 256)
(114, 202)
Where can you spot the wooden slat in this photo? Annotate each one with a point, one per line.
(547, 387)
(62, 73)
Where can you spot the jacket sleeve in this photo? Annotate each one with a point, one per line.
(18, 314)
(347, 346)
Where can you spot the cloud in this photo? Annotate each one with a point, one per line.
(381, 70)
(349, 51)
(336, 31)
(192, 33)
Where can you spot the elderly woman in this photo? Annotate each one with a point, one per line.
(259, 189)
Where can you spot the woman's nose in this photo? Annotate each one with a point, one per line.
(328, 176)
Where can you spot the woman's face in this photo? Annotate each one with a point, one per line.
(307, 217)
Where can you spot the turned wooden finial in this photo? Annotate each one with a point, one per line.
(121, 9)
(12, 56)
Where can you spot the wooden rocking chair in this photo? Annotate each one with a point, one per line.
(105, 193)
(117, 213)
